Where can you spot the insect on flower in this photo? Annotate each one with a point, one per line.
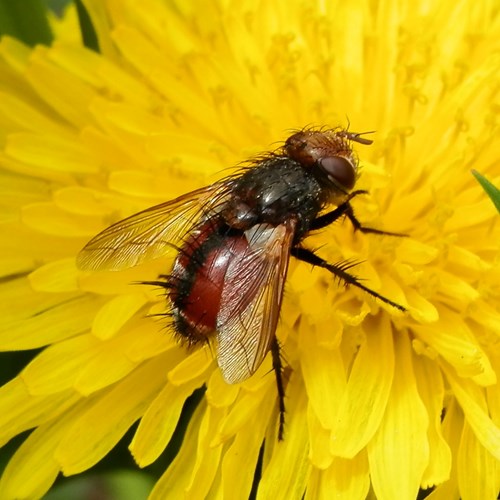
(234, 240)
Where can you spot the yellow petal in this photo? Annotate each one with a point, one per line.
(29, 117)
(41, 248)
(137, 183)
(160, 420)
(20, 410)
(485, 315)
(113, 360)
(219, 393)
(287, 473)
(431, 389)
(478, 471)
(115, 313)
(492, 392)
(324, 377)
(83, 363)
(15, 193)
(347, 479)
(362, 407)
(452, 338)
(58, 276)
(82, 201)
(415, 252)
(319, 442)
(457, 288)
(173, 482)
(207, 459)
(50, 219)
(50, 320)
(473, 403)
(105, 420)
(470, 215)
(241, 414)
(33, 468)
(65, 155)
(399, 451)
(453, 423)
(236, 476)
(192, 367)
(420, 308)
(57, 88)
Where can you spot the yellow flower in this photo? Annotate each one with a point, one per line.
(378, 402)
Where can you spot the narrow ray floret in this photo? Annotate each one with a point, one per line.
(234, 240)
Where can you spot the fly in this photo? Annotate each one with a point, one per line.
(234, 240)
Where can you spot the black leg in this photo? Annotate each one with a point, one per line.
(349, 213)
(278, 371)
(346, 209)
(327, 219)
(339, 270)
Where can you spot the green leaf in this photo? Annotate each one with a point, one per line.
(89, 35)
(125, 484)
(25, 20)
(57, 6)
(492, 191)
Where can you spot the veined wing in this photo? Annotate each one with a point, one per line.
(251, 301)
(151, 233)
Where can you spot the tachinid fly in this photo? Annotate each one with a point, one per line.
(234, 239)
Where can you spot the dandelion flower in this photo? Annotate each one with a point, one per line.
(378, 402)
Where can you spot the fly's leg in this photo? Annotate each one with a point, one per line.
(349, 213)
(329, 218)
(278, 372)
(345, 209)
(339, 270)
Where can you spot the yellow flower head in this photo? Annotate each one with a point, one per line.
(378, 401)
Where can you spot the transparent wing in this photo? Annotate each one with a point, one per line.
(150, 233)
(251, 301)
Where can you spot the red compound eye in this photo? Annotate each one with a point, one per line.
(339, 170)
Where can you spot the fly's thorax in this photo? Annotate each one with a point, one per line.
(277, 190)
